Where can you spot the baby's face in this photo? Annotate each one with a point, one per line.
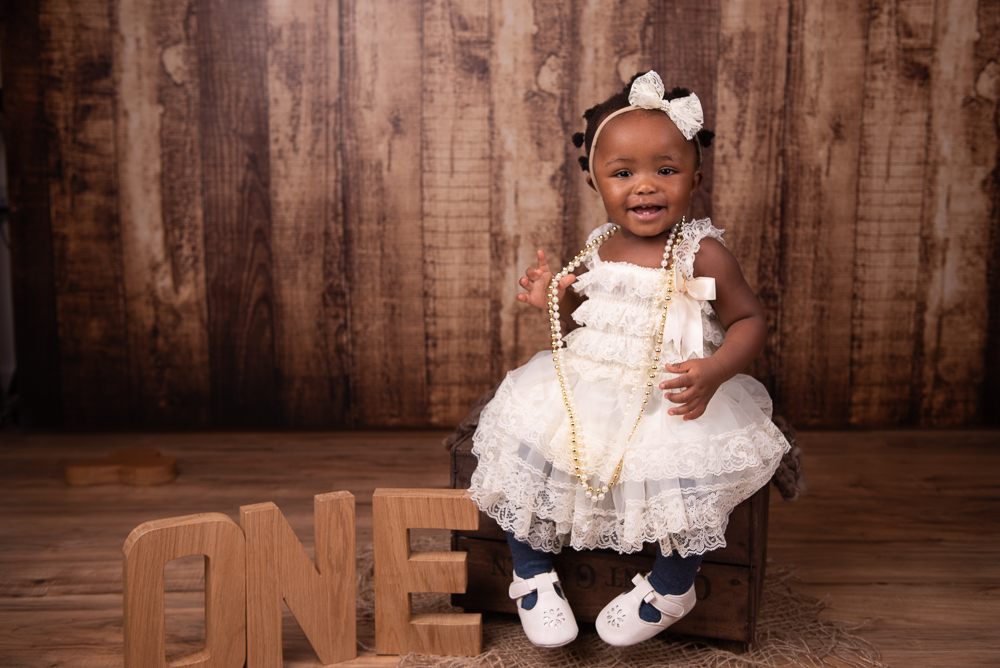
(646, 172)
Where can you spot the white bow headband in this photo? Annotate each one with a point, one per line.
(647, 93)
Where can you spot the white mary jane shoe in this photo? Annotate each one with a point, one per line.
(619, 623)
(551, 622)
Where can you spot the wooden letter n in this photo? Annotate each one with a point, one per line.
(323, 600)
(147, 549)
(398, 573)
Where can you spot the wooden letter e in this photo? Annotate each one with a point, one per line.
(398, 573)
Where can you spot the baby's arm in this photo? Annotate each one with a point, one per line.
(740, 314)
(536, 281)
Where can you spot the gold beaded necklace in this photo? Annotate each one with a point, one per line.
(576, 441)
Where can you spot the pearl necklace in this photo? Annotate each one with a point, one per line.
(599, 492)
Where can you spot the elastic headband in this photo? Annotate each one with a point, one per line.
(647, 93)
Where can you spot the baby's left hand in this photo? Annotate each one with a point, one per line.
(700, 378)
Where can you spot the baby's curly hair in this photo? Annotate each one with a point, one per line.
(596, 114)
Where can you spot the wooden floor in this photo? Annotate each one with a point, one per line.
(900, 529)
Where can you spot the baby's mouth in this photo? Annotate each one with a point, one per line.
(646, 210)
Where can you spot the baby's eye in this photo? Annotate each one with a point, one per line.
(623, 173)
(667, 171)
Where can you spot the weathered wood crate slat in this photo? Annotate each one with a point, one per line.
(729, 584)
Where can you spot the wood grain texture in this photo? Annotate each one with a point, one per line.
(685, 52)
(400, 572)
(162, 231)
(824, 104)
(232, 56)
(530, 66)
(988, 87)
(892, 169)
(303, 71)
(880, 567)
(962, 155)
(147, 549)
(455, 190)
(135, 466)
(83, 199)
(750, 134)
(278, 569)
(33, 278)
(382, 210)
(287, 212)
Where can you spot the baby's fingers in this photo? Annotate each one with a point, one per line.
(679, 397)
(531, 274)
(543, 263)
(683, 367)
(679, 381)
(689, 411)
(675, 383)
(679, 410)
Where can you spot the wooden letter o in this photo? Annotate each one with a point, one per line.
(147, 549)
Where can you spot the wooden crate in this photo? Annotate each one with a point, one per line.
(729, 584)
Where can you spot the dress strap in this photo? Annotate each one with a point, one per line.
(597, 231)
(593, 258)
(693, 233)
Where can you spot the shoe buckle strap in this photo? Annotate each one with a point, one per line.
(642, 587)
(664, 605)
(546, 581)
(541, 582)
(521, 589)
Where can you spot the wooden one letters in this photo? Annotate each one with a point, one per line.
(249, 572)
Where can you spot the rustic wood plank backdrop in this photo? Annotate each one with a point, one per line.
(312, 214)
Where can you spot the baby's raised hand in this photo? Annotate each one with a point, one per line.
(536, 281)
(700, 379)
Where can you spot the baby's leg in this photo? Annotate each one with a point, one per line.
(529, 562)
(672, 574)
(545, 614)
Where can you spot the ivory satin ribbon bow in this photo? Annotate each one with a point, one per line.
(683, 325)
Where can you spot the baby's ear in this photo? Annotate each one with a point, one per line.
(698, 175)
(590, 182)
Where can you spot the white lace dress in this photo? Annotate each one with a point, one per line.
(680, 479)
